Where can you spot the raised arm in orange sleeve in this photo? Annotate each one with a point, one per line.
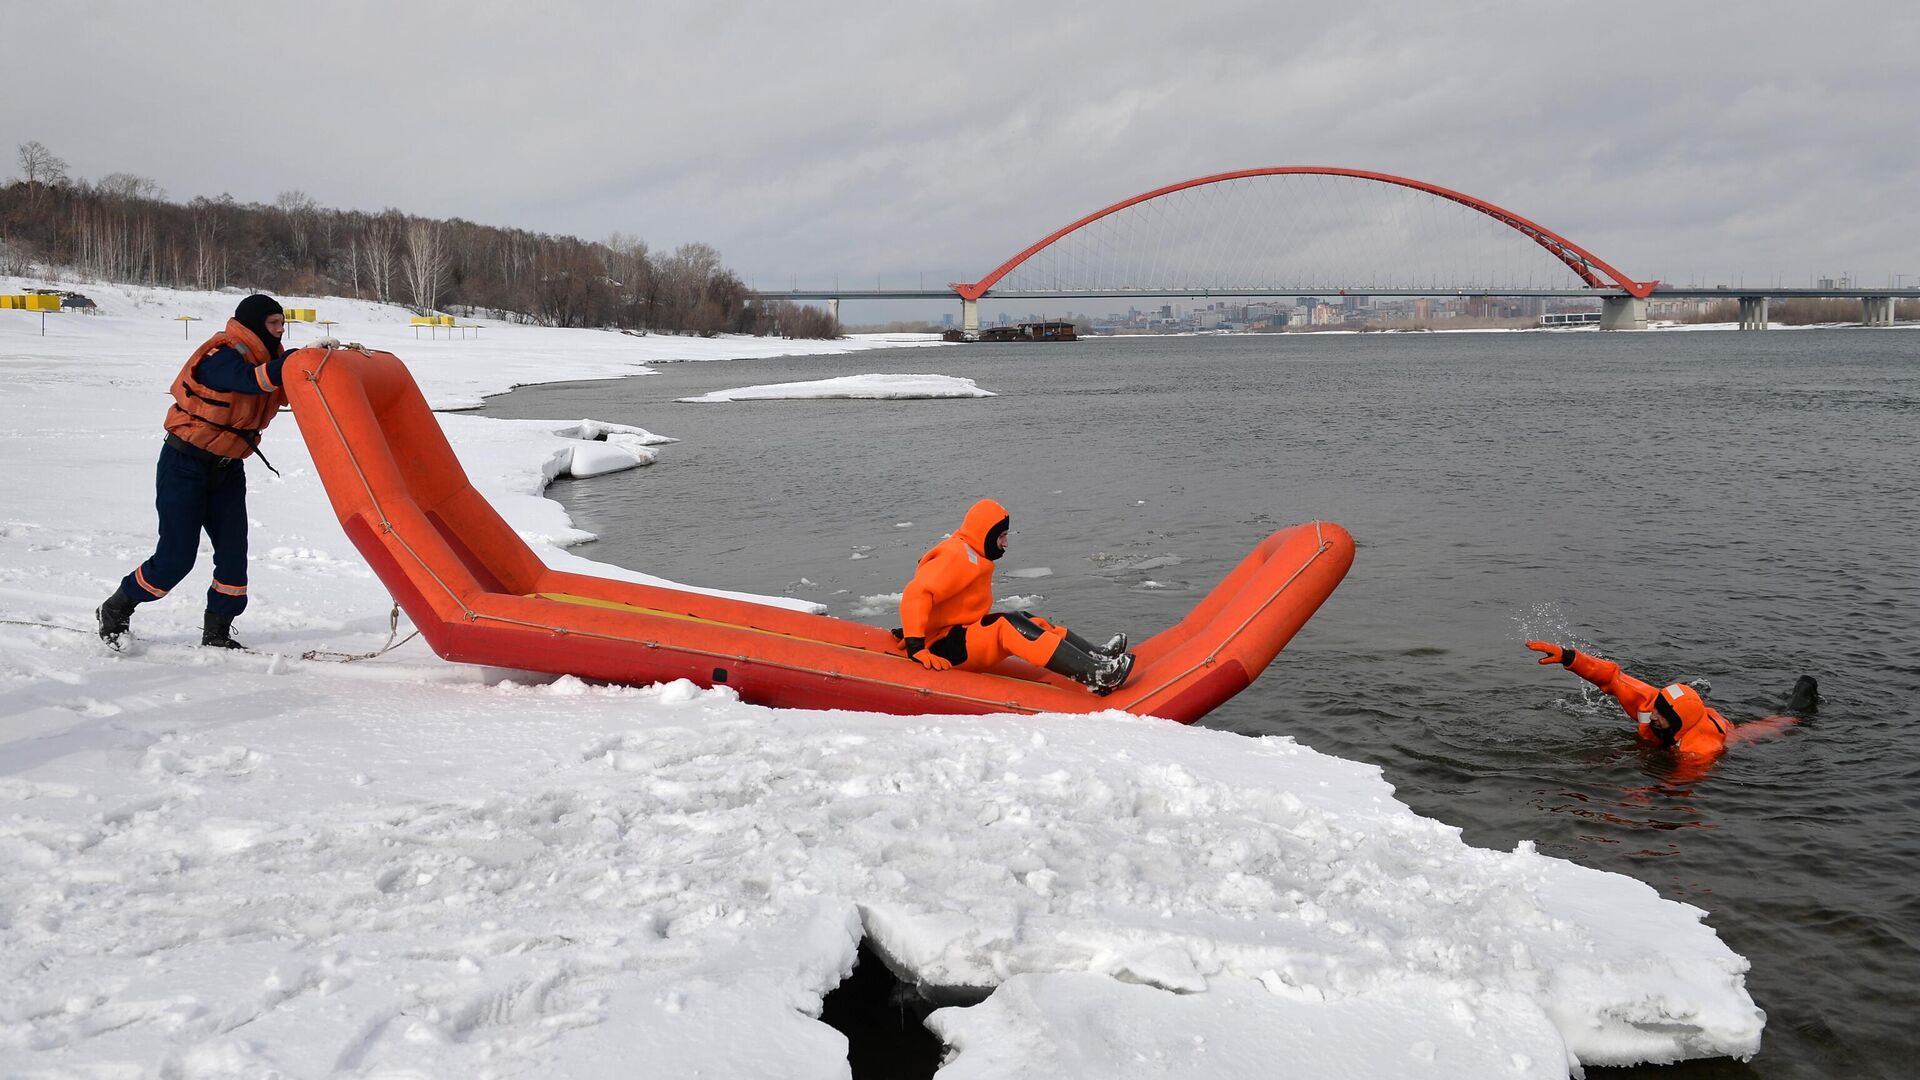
(1633, 695)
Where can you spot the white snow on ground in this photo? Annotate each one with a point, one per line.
(244, 865)
(866, 387)
(1042, 1026)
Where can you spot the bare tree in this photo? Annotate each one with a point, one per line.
(125, 185)
(794, 321)
(41, 170)
(425, 263)
(380, 251)
(571, 286)
(299, 210)
(678, 303)
(145, 248)
(209, 254)
(38, 165)
(95, 242)
(630, 274)
(13, 260)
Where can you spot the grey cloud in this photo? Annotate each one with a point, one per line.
(915, 141)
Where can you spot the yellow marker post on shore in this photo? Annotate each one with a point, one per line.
(41, 302)
(433, 324)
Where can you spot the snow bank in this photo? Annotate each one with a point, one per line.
(595, 448)
(1044, 1026)
(873, 387)
(222, 865)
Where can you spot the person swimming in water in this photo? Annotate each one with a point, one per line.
(1676, 716)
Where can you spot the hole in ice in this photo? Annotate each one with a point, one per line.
(884, 1021)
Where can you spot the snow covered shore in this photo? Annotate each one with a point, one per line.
(218, 865)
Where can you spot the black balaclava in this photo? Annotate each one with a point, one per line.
(1668, 733)
(252, 314)
(995, 548)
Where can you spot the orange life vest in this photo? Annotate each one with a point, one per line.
(954, 583)
(222, 422)
(1704, 734)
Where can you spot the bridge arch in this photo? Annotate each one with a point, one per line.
(1588, 267)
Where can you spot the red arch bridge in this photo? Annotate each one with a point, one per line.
(1302, 230)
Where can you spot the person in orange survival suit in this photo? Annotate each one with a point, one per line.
(1676, 716)
(946, 621)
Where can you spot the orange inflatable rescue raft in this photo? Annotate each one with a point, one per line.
(479, 595)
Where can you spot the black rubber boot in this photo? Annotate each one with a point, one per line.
(1096, 671)
(116, 617)
(215, 632)
(1115, 645)
(1804, 700)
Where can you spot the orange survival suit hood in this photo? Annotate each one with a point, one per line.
(985, 528)
(1688, 726)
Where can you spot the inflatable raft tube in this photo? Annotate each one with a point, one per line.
(480, 596)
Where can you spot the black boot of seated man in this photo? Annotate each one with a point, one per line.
(216, 632)
(1096, 671)
(1115, 645)
(116, 618)
(1033, 631)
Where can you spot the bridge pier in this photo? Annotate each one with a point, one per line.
(1877, 310)
(1753, 313)
(833, 312)
(970, 317)
(1623, 313)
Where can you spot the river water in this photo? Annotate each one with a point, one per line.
(1738, 507)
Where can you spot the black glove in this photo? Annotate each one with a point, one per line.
(917, 649)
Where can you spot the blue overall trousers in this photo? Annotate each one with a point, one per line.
(196, 491)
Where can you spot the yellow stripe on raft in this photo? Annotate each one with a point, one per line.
(594, 601)
(615, 605)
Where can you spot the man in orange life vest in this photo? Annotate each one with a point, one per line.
(945, 621)
(223, 399)
(1675, 716)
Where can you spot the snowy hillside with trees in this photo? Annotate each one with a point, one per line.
(123, 228)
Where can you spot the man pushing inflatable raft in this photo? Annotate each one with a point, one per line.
(479, 595)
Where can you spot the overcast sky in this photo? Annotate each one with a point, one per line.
(910, 142)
